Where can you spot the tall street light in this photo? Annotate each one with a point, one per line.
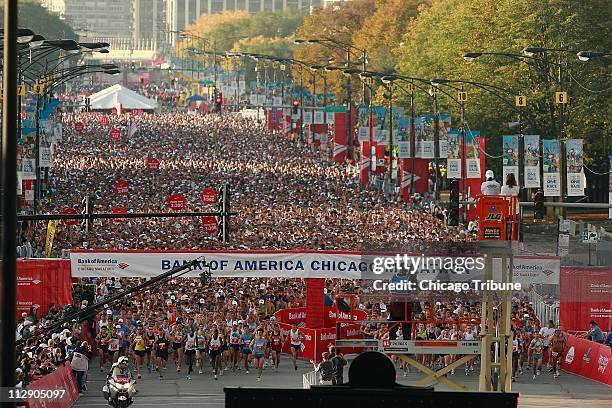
(349, 49)
(12, 36)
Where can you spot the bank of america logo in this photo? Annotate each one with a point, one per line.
(123, 265)
(547, 272)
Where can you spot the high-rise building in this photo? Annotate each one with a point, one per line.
(109, 18)
(149, 20)
(181, 13)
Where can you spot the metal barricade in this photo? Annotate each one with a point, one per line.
(308, 379)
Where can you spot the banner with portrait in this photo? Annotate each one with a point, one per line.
(510, 156)
(532, 161)
(363, 129)
(575, 173)
(379, 125)
(426, 133)
(472, 154)
(550, 164)
(454, 155)
(445, 127)
(402, 137)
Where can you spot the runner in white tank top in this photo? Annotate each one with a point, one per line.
(296, 337)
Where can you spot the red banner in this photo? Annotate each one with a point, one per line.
(340, 142)
(79, 126)
(152, 163)
(115, 134)
(119, 210)
(122, 187)
(104, 120)
(421, 176)
(176, 202)
(380, 160)
(61, 379)
(588, 359)
(208, 196)
(586, 294)
(315, 302)
(42, 282)
(210, 225)
(70, 211)
(364, 164)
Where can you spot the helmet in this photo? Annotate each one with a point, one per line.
(123, 359)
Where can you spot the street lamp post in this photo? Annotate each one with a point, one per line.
(348, 49)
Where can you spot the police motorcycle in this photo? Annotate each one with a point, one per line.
(119, 390)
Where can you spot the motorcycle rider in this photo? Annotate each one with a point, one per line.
(121, 370)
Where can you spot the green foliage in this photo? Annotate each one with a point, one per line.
(436, 41)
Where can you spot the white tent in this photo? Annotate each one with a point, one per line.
(117, 95)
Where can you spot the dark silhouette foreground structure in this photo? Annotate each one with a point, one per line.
(371, 384)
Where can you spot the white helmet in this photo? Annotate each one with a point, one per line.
(122, 359)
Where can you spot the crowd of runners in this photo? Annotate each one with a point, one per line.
(288, 196)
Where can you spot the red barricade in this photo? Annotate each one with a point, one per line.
(588, 359)
(60, 379)
(42, 282)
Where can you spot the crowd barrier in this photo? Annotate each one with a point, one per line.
(588, 359)
(308, 379)
(61, 379)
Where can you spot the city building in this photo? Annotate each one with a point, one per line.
(149, 20)
(93, 18)
(181, 13)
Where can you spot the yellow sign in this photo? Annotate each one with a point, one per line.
(21, 90)
(412, 87)
(462, 96)
(283, 67)
(433, 90)
(520, 101)
(561, 98)
(50, 237)
(39, 89)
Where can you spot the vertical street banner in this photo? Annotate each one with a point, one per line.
(473, 153)
(426, 129)
(445, 127)
(575, 173)
(402, 137)
(318, 117)
(379, 126)
(50, 238)
(532, 161)
(454, 155)
(510, 156)
(363, 129)
(550, 162)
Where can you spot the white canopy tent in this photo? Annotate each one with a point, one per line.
(119, 96)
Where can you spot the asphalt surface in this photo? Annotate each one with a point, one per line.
(203, 390)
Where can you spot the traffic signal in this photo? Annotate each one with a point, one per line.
(453, 210)
(296, 104)
(218, 101)
(538, 205)
(133, 66)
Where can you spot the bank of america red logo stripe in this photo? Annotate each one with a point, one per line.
(123, 265)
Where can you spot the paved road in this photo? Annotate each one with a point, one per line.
(202, 390)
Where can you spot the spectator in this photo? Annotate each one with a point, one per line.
(325, 368)
(339, 363)
(510, 189)
(490, 187)
(595, 334)
(80, 365)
